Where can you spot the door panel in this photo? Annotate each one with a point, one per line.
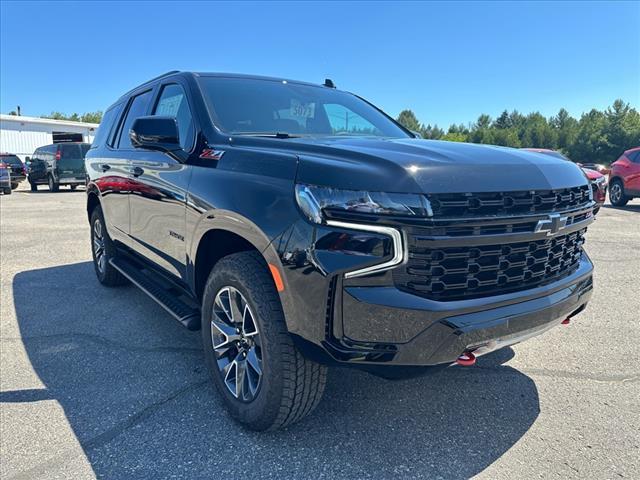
(633, 173)
(158, 187)
(111, 173)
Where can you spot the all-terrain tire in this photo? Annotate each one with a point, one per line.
(291, 385)
(106, 273)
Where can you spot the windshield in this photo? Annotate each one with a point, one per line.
(255, 106)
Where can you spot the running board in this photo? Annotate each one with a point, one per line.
(187, 315)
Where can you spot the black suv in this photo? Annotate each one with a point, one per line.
(299, 226)
(15, 165)
(58, 164)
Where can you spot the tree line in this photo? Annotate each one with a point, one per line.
(88, 117)
(598, 136)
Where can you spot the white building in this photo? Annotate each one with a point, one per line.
(22, 135)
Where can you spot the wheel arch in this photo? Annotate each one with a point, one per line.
(221, 239)
(93, 199)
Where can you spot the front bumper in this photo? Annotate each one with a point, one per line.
(72, 181)
(386, 325)
(369, 322)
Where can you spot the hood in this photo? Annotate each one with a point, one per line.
(592, 174)
(428, 166)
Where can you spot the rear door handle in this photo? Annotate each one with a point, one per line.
(105, 167)
(137, 171)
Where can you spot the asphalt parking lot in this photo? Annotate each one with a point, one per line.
(98, 382)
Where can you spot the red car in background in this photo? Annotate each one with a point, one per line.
(624, 178)
(598, 180)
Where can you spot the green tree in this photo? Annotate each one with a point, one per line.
(409, 121)
(89, 117)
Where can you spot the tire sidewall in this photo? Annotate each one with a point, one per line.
(96, 216)
(262, 411)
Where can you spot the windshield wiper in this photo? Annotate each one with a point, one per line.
(267, 134)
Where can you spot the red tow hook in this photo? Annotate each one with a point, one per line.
(566, 321)
(467, 359)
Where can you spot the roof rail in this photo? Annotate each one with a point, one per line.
(149, 81)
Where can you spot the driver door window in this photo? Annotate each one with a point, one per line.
(173, 103)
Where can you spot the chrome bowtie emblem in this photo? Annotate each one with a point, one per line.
(551, 225)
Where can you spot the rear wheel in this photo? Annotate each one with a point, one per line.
(103, 249)
(616, 194)
(7, 191)
(53, 185)
(263, 379)
(34, 186)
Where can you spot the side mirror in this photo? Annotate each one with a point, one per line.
(155, 133)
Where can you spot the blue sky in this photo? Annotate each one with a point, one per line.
(449, 62)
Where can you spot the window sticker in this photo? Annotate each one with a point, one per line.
(302, 110)
(169, 105)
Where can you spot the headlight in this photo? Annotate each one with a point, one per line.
(314, 200)
(600, 182)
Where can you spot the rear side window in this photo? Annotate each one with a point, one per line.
(634, 156)
(173, 103)
(137, 108)
(73, 150)
(106, 125)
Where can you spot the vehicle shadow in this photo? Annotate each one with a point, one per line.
(134, 389)
(629, 207)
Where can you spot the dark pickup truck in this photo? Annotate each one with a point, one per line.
(298, 226)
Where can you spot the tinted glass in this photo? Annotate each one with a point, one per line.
(72, 155)
(243, 105)
(173, 103)
(11, 160)
(138, 108)
(634, 156)
(106, 125)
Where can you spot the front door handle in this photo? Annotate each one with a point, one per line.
(105, 167)
(137, 171)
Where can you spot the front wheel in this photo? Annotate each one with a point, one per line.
(616, 194)
(264, 380)
(53, 185)
(7, 191)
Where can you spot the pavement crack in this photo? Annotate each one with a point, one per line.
(102, 341)
(621, 378)
(108, 435)
(137, 418)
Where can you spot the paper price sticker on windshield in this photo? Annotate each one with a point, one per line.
(302, 110)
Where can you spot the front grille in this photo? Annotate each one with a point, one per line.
(457, 205)
(457, 273)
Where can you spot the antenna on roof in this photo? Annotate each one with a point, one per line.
(329, 83)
